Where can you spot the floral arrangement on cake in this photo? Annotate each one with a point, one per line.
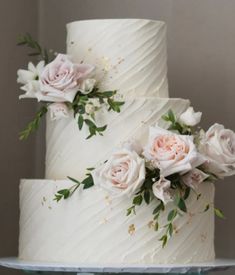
(164, 171)
(172, 164)
(63, 86)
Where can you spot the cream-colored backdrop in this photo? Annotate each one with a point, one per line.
(16, 159)
(201, 65)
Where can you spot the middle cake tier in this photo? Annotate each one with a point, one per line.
(69, 153)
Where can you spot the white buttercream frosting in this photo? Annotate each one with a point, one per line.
(91, 227)
(129, 54)
(69, 153)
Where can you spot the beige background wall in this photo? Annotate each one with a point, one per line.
(201, 64)
(17, 159)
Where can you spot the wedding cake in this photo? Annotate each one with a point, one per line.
(91, 227)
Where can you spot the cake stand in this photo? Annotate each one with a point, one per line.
(59, 269)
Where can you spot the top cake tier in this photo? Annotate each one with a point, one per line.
(129, 54)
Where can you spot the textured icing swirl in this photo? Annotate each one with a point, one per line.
(92, 228)
(129, 54)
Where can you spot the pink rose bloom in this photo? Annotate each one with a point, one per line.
(194, 178)
(171, 153)
(161, 190)
(61, 79)
(218, 147)
(122, 174)
(58, 110)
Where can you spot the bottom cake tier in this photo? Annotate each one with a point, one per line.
(92, 228)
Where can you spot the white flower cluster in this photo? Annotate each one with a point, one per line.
(57, 82)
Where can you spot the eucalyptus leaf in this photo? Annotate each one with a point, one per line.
(219, 213)
(172, 214)
(138, 200)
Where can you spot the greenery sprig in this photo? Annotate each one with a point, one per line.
(175, 125)
(68, 192)
(33, 125)
(38, 50)
(83, 118)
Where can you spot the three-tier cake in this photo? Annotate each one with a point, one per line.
(92, 226)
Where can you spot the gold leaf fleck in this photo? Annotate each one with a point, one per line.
(151, 224)
(131, 229)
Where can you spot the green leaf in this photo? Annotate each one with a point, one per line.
(57, 197)
(170, 229)
(101, 129)
(90, 169)
(130, 210)
(156, 216)
(90, 123)
(187, 193)
(166, 118)
(171, 116)
(182, 206)
(80, 122)
(138, 200)
(81, 109)
(28, 41)
(74, 180)
(164, 239)
(199, 196)
(159, 208)
(156, 226)
(207, 208)
(147, 196)
(34, 54)
(219, 213)
(115, 105)
(64, 192)
(108, 93)
(88, 182)
(172, 214)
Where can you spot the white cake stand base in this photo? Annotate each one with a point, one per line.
(47, 268)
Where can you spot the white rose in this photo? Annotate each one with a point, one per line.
(87, 86)
(218, 146)
(171, 153)
(161, 190)
(190, 118)
(193, 178)
(122, 174)
(33, 73)
(58, 111)
(61, 79)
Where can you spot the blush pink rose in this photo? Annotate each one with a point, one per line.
(58, 111)
(218, 147)
(122, 174)
(161, 190)
(171, 153)
(61, 79)
(194, 178)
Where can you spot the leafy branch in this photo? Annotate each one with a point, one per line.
(145, 193)
(84, 118)
(33, 125)
(27, 40)
(169, 227)
(67, 193)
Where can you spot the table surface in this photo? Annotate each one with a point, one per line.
(218, 264)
